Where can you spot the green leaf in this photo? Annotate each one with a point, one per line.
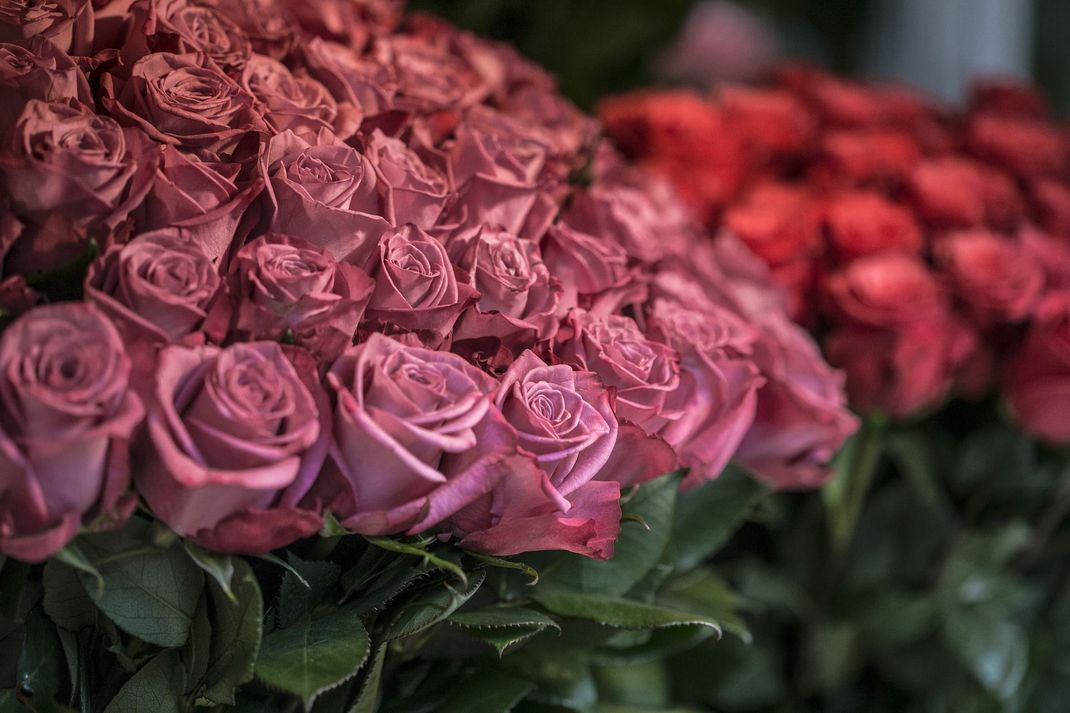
(703, 592)
(427, 607)
(405, 548)
(619, 613)
(278, 561)
(503, 627)
(148, 592)
(13, 576)
(303, 587)
(155, 688)
(639, 547)
(66, 601)
(313, 655)
(382, 587)
(236, 636)
(642, 684)
(219, 567)
(368, 697)
(487, 691)
(994, 649)
(855, 467)
(72, 556)
(40, 667)
(707, 515)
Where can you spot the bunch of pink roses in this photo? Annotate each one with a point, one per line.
(352, 262)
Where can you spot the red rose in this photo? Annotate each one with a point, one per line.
(779, 222)
(993, 276)
(1023, 146)
(865, 222)
(1037, 377)
(957, 192)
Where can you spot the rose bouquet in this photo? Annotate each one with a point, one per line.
(314, 316)
(927, 248)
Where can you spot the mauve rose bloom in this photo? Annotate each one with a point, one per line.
(66, 23)
(324, 193)
(181, 27)
(267, 23)
(67, 162)
(416, 437)
(157, 288)
(361, 88)
(802, 417)
(410, 190)
(186, 101)
(995, 278)
(66, 415)
(865, 222)
(429, 77)
(1022, 145)
(713, 402)
(953, 191)
(887, 290)
(41, 71)
(586, 265)
(235, 439)
(280, 283)
(417, 288)
(199, 200)
(296, 103)
(643, 372)
(1037, 376)
(518, 297)
(569, 130)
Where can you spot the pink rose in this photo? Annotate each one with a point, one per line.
(712, 403)
(296, 103)
(200, 200)
(42, 71)
(570, 131)
(410, 190)
(416, 437)
(68, 24)
(67, 416)
(267, 23)
(361, 88)
(324, 193)
(347, 21)
(417, 288)
(993, 276)
(181, 27)
(1037, 377)
(68, 162)
(429, 77)
(281, 283)
(235, 440)
(586, 265)
(158, 287)
(186, 101)
(643, 373)
(802, 417)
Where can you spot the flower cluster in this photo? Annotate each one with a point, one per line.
(343, 260)
(930, 248)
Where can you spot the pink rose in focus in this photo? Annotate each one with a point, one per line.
(291, 102)
(185, 26)
(40, 71)
(586, 266)
(410, 190)
(68, 24)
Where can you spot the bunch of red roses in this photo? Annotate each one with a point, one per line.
(929, 247)
(340, 260)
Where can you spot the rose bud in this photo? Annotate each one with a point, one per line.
(417, 288)
(283, 284)
(235, 439)
(181, 27)
(68, 24)
(186, 101)
(410, 190)
(68, 162)
(1037, 377)
(416, 437)
(67, 416)
(323, 193)
(802, 417)
(296, 103)
(995, 278)
(865, 222)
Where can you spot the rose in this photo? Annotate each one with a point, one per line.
(417, 288)
(323, 193)
(66, 415)
(410, 190)
(993, 276)
(865, 222)
(198, 200)
(567, 129)
(1051, 201)
(801, 419)
(887, 290)
(857, 156)
(563, 417)
(777, 221)
(186, 101)
(584, 264)
(773, 122)
(180, 27)
(416, 437)
(361, 88)
(348, 21)
(280, 283)
(1022, 145)
(518, 297)
(1007, 95)
(1037, 376)
(69, 163)
(429, 78)
(1051, 253)
(42, 71)
(267, 23)
(643, 372)
(235, 439)
(158, 287)
(68, 24)
(713, 399)
(296, 103)
(958, 192)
